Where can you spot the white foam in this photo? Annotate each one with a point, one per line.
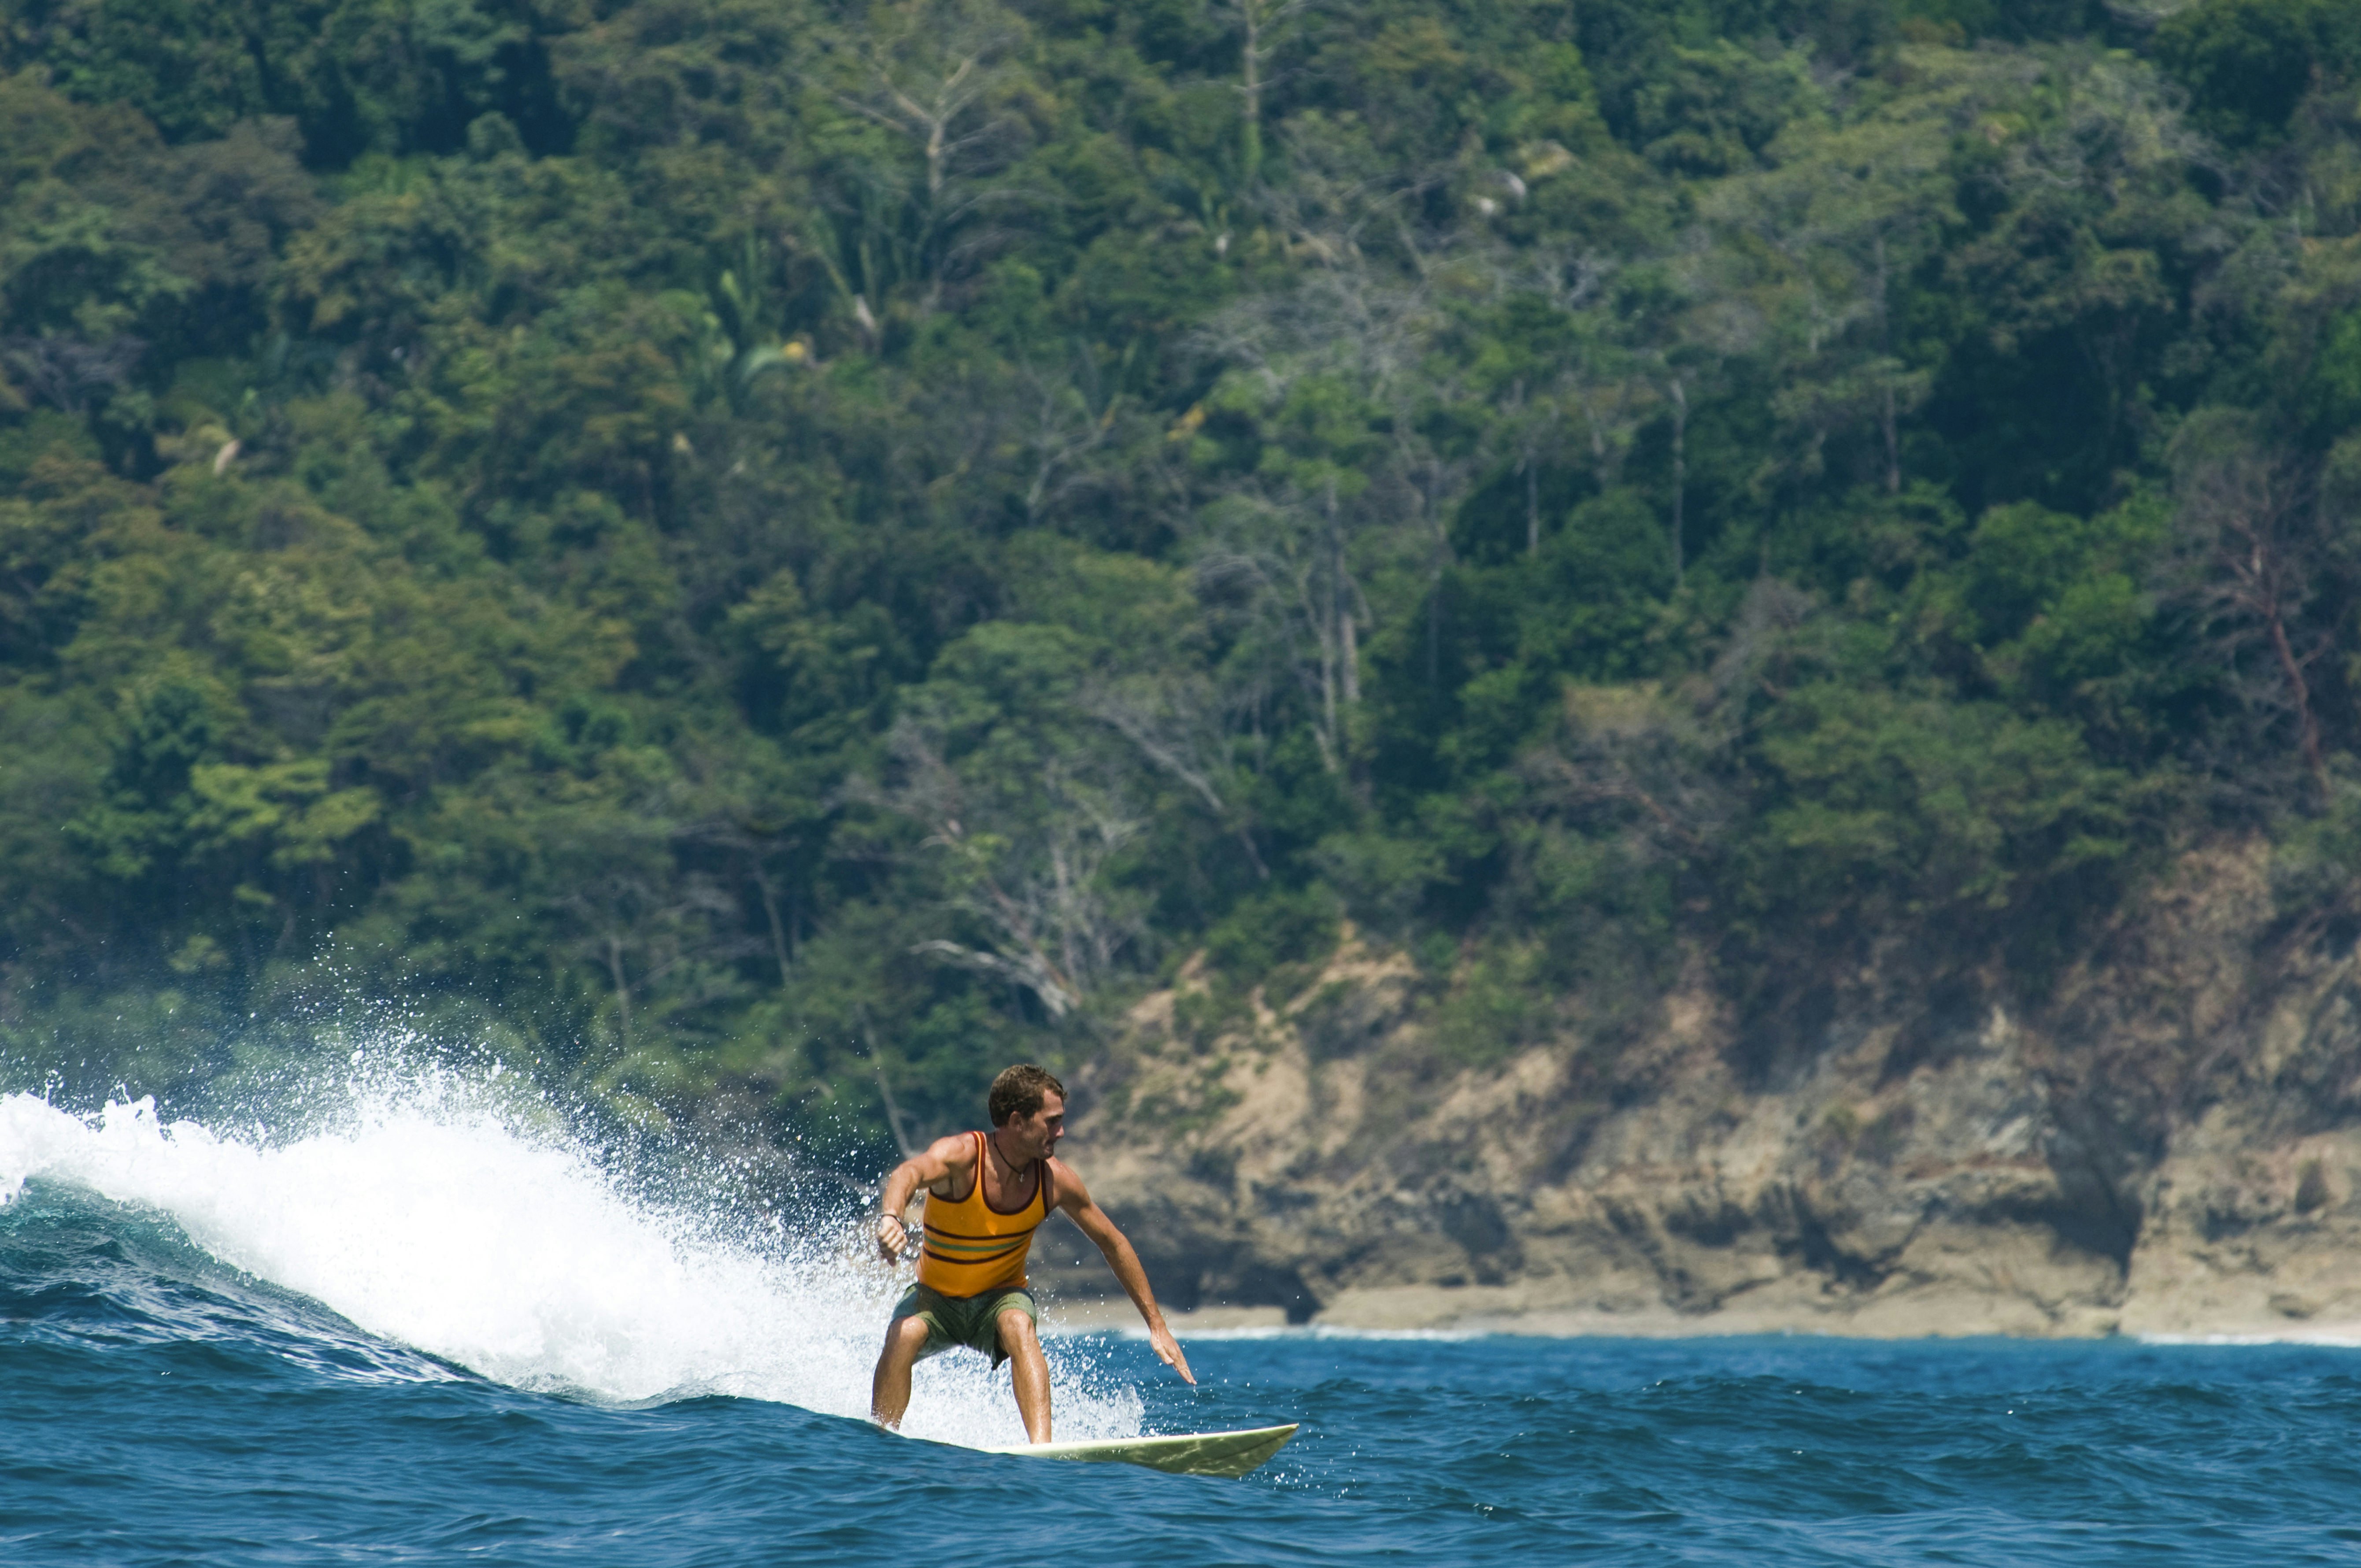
(2346, 1337)
(1291, 1331)
(435, 1219)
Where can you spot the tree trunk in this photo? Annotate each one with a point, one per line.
(902, 1140)
(1434, 626)
(770, 909)
(1250, 131)
(1328, 629)
(2307, 724)
(1328, 698)
(1680, 471)
(623, 988)
(1339, 584)
(1886, 347)
(1532, 508)
(1893, 445)
(1348, 652)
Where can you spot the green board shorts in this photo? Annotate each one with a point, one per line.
(972, 1321)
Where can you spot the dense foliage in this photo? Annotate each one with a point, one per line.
(788, 552)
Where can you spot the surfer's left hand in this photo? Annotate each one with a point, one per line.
(1168, 1349)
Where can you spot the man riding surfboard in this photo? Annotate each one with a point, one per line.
(987, 1192)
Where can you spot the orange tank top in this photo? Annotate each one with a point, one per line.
(971, 1246)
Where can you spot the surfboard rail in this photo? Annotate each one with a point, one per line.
(1230, 1454)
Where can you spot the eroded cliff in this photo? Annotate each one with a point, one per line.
(2167, 1141)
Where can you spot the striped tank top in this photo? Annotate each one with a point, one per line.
(971, 1246)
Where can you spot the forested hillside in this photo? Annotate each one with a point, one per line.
(784, 553)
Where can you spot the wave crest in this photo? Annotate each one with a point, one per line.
(433, 1211)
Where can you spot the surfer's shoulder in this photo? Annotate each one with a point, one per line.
(945, 1165)
(950, 1156)
(1065, 1187)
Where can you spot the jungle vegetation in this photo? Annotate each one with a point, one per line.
(778, 554)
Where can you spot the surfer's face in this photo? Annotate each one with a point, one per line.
(1035, 1136)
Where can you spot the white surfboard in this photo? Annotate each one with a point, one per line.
(1182, 1453)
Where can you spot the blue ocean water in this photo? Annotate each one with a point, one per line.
(165, 1399)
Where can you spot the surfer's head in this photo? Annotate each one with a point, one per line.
(1029, 1103)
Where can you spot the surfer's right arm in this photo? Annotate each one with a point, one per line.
(932, 1169)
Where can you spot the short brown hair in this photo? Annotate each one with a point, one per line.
(1018, 1089)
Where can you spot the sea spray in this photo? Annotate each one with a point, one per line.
(448, 1213)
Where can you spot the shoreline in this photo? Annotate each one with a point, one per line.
(1427, 1311)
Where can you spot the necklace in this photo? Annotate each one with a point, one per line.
(991, 1140)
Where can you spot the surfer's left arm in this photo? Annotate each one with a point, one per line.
(1075, 1199)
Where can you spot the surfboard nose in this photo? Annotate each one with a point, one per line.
(1228, 1453)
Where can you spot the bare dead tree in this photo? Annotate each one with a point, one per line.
(2248, 522)
(1031, 879)
(1602, 378)
(1257, 23)
(1300, 543)
(937, 72)
(1177, 726)
(927, 75)
(1067, 430)
(1286, 558)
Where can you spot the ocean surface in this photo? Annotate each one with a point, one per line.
(421, 1325)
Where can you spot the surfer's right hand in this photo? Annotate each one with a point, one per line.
(1168, 1349)
(891, 1238)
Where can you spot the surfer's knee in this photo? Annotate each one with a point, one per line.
(905, 1335)
(1016, 1331)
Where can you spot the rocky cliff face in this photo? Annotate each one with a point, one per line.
(2168, 1142)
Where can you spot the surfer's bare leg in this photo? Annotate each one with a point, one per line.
(1028, 1370)
(889, 1389)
